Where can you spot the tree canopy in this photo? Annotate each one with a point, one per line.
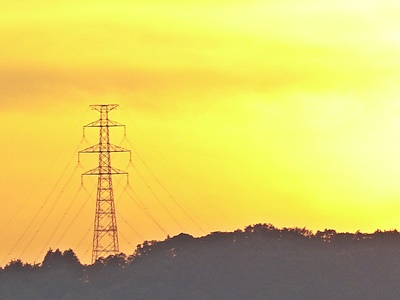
(258, 262)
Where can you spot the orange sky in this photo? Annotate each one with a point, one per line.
(247, 111)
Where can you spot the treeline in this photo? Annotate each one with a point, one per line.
(259, 262)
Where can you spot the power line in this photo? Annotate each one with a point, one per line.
(43, 176)
(140, 204)
(46, 200)
(49, 211)
(178, 174)
(179, 205)
(69, 226)
(158, 199)
(63, 217)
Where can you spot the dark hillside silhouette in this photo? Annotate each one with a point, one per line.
(259, 262)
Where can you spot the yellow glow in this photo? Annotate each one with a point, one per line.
(268, 111)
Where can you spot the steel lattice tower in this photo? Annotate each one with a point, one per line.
(105, 235)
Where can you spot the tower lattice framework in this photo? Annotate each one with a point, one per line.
(105, 235)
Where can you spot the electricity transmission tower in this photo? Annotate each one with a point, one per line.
(105, 236)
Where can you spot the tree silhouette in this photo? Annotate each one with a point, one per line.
(259, 262)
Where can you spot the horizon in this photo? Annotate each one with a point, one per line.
(304, 232)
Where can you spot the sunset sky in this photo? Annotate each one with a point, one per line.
(284, 112)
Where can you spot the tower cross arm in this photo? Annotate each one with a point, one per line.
(104, 123)
(100, 149)
(104, 171)
(103, 107)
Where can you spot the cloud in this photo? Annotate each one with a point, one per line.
(183, 52)
(28, 86)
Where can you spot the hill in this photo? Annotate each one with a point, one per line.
(259, 262)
